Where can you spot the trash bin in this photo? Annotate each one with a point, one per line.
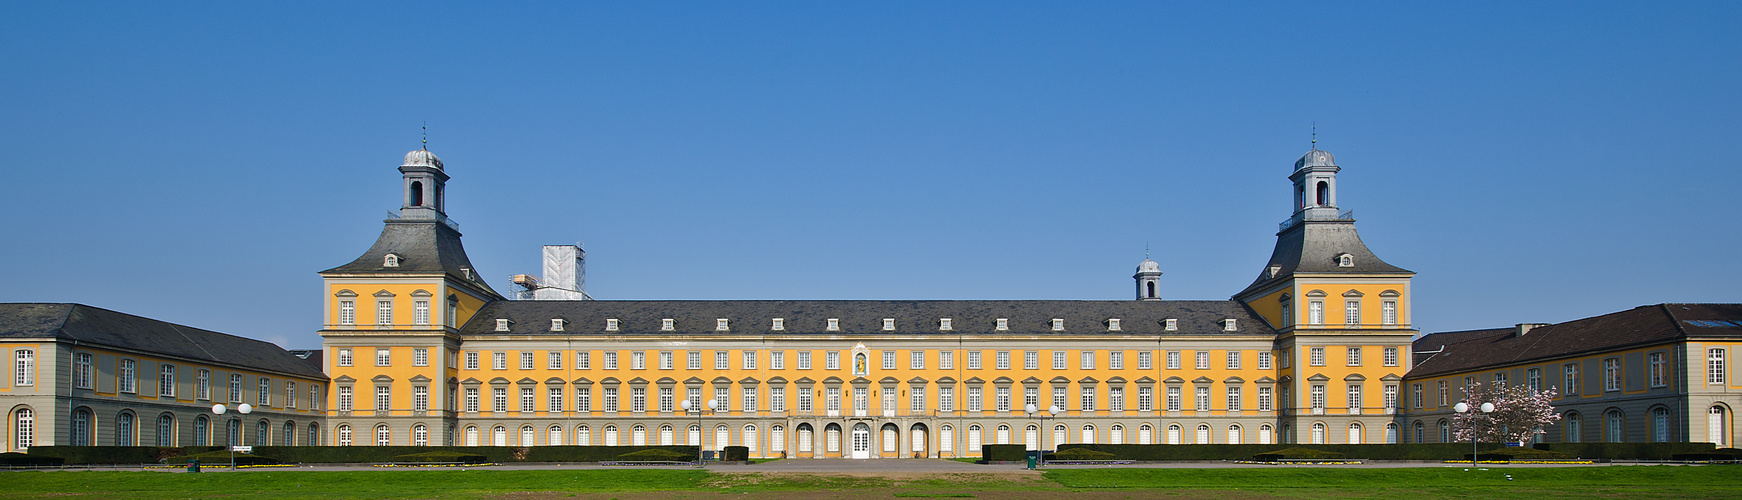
(1033, 459)
(193, 465)
(1031, 462)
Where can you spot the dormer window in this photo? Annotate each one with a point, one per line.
(779, 324)
(1170, 324)
(721, 325)
(611, 325)
(888, 324)
(943, 323)
(834, 324)
(1058, 324)
(501, 324)
(1228, 325)
(1113, 324)
(1003, 324)
(391, 260)
(1274, 270)
(556, 324)
(666, 325)
(1345, 260)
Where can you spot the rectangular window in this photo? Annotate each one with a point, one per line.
(1116, 398)
(1173, 360)
(384, 312)
(471, 399)
(1355, 401)
(749, 361)
(1354, 356)
(1059, 398)
(777, 398)
(526, 360)
(723, 398)
(347, 312)
(1317, 355)
(128, 378)
(637, 360)
(1315, 312)
(1612, 374)
(916, 359)
(263, 396)
(165, 379)
(722, 360)
(889, 360)
(1173, 399)
(1202, 359)
(453, 317)
(804, 400)
(832, 360)
(235, 388)
(947, 360)
(420, 312)
(420, 356)
(499, 399)
(1088, 398)
(665, 360)
(777, 324)
(1116, 360)
(944, 324)
(834, 324)
(638, 399)
(1145, 399)
(583, 399)
(1391, 398)
(553, 360)
(748, 398)
(665, 325)
(202, 385)
(1264, 360)
(1233, 398)
(1714, 365)
(499, 360)
(383, 399)
(1001, 324)
(383, 356)
(832, 399)
(916, 399)
(804, 360)
(946, 399)
(1351, 311)
(1087, 359)
(1145, 360)
(1318, 398)
(611, 399)
(420, 398)
(471, 360)
(1533, 379)
(610, 360)
(1113, 324)
(1233, 359)
(1572, 379)
(1390, 356)
(667, 399)
(974, 360)
(1445, 393)
(1031, 396)
(553, 399)
(344, 398)
(777, 360)
(1201, 401)
(1655, 360)
(1001, 360)
(583, 360)
(1058, 360)
(344, 355)
(693, 360)
(1264, 401)
(1388, 312)
(1001, 399)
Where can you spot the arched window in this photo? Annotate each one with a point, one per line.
(23, 429)
(974, 438)
(1203, 436)
(471, 435)
(1059, 435)
(1145, 434)
(344, 435)
(1616, 432)
(1574, 427)
(1660, 424)
(499, 436)
(891, 438)
(263, 433)
(805, 437)
(1234, 434)
(722, 437)
(1264, 435)
(1030, 437)
(1173, 432)
(610, 435)
(666, 436)
(1318, 436)
(1003, 434)
(417, 193)
(1391, 433)
(383, 435)
(947, 439)
(528, 437)
(776, 438)
(289, 434)
(554, 435)
(1420, 435)
(750, 438)
(1151, 287)
(419, 435)
(1116, 434)
(695, 436)
(1324, 194)
(314, 434)
(124, 432)
(81, 431)
(832, 438)
(1287, 310)
(1356, 433)
(1445, 431)
(583, 435)
(166, 430)
(1088, 434)
(1717, 427)
(638, 435)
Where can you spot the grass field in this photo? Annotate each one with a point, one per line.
(633, 484)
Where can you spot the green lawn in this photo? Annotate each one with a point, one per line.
(1329, 482)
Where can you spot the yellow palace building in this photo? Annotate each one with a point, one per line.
(420, 350)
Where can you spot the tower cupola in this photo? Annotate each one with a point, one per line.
(425, 186)
(1315, 185)
(1148, 280)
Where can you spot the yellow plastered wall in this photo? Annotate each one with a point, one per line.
(1372, 299)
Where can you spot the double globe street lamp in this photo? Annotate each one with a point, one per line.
(713, 404)
(1486, 408)
(1054, 411)
(241, 409)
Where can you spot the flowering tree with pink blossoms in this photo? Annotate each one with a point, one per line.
(1518, 413)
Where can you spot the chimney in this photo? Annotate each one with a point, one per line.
(1524, 328)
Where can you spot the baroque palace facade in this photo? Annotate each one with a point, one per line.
(422, 351)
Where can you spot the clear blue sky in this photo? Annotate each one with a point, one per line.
(200, 162)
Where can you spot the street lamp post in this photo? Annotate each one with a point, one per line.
(713, 404)
(1466, 408)
(1054, 411)
(241, 409)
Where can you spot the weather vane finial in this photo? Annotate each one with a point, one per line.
(1145, 250)
(1315, 135)
(426, 136)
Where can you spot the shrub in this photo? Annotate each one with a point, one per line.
(1519, 454)
(736, 454)
(1628, 451)
(81, 455)
(214, 458)
(1160, 452)
(1081, 454)
(656, 456)
(1004, 452)
(442, 457)
(23, 460)
(1297, 454)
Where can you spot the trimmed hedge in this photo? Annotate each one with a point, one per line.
(1080, 454)
(656, 456)
(735, 454)
(1628, 451)
(14, 459)
(82, 455)
(1432, 451)
(1004, 452)
(442, 457)
(217, 458)
(1517, 453)
(1297, 454)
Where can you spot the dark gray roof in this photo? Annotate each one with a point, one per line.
(865, 317)
(423, 246)
(1313, 247)
(103, 327)
(1640, 326)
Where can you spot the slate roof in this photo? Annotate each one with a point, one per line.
(1313, 247)
(865, 317)
(1640, 326)
(103, 327)
(423, 246)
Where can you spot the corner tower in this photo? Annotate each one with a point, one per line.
(392, 317)
(1342, 314)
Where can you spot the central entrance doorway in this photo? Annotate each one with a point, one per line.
(861, 440)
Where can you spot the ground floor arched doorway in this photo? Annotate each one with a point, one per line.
(861, 440)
